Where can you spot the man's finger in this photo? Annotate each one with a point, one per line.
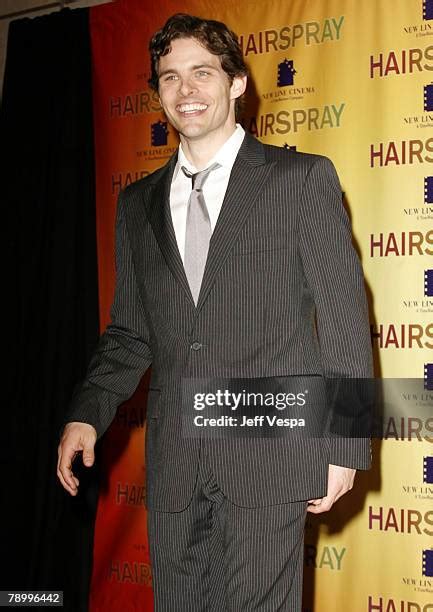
(324, 505)
(66, 479)
(65, 484)
(88, 456)
(66, 457)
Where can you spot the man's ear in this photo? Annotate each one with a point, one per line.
(238, 87)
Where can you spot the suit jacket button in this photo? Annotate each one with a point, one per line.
(196, 346)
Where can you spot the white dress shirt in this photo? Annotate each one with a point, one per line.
(214, 188)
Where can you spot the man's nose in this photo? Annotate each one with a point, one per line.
(186, 87)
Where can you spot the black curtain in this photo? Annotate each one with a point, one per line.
(50, 290)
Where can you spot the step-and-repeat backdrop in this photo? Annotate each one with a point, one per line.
(354, 81)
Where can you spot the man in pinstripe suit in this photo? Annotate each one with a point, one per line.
(226, 516)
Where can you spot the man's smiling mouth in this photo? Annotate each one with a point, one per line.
(191, 109)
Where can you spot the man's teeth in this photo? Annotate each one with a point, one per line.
(191, 108)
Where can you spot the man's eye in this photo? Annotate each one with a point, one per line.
(202, 73)
(170, 77)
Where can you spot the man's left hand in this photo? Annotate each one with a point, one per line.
(340, 481)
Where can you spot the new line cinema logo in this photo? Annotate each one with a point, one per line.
(422, 305)
(287, 89)
(423, 212)
(423, 209)
(421, 488)
(298, 119)
(423, 103)
(158, 150)
(422, 28)
(422, 583)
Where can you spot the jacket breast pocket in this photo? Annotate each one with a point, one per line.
(153, 404)
(263, 243)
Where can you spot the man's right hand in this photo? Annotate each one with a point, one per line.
(76, 437)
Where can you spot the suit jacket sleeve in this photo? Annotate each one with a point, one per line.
(123, 353)
(334, 275)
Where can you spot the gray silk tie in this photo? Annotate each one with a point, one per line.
(198, 230)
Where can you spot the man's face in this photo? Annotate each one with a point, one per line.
(195, 92)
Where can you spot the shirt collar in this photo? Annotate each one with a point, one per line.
(225, 156)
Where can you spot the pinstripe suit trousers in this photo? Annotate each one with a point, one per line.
(215, 556)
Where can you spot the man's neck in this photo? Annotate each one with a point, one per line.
(199, 152)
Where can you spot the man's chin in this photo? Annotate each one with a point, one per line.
(192, 132)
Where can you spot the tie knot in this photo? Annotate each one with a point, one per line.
(199, 178)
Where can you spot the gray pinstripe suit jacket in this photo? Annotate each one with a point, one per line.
(280, 255)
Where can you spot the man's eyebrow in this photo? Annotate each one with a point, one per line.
(168, 71)
(196, 67)
(204, 66)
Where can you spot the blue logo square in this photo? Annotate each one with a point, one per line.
(428, 283)
(159, 133)
(428, 470)
(428, 376)
(428, 97)
(427, 563)
(428, 190)
(286, 72)
(427, 9)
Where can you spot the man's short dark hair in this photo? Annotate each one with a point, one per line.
(215, 36)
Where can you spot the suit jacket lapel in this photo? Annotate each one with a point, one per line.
(247, 179)
(159, 215)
